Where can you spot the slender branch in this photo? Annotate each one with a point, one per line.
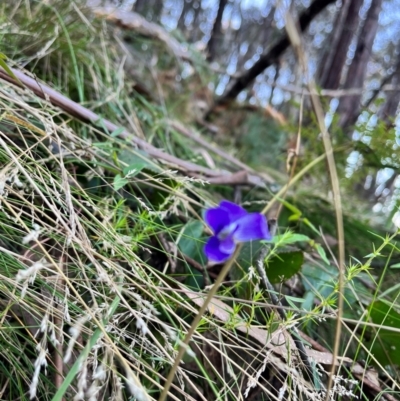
(273, 54)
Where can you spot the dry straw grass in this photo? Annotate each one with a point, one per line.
(97, 291)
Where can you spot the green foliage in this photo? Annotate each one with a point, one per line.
(191, 244)
(262, 142)
(384, 338)
(5, 66)
(284, 265)
(98, 237)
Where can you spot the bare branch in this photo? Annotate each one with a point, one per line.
(69, 106)
(134, 21)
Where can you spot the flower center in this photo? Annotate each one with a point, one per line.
(227, 231)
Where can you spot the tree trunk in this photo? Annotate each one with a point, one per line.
(346, 26)
(186, 6)
(273, 54)
(389, 109)
(331, 42)
(196, 33)
(150, 9)
(216, 33)
(349, 106)
(140, 6)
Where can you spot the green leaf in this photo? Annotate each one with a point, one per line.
(311, 225)
(117, 132)
(135, 168)
(194, 279)
(317, 281)
(6, 68)
(322, 253)
(290, 238)
(395, 266)
(284, 265)
(384, 342)
(292, 208)
(189, 243)
(119, 182)
(133, 157)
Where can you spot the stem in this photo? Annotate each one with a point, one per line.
(200, 313)
(294, 333)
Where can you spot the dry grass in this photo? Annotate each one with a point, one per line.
(100, 243)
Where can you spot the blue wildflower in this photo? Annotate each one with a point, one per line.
(231, 224)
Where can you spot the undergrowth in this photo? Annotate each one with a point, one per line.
(101, 245)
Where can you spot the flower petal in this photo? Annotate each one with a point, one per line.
(235, 211)
(227, 245)
(213, 251)
(217, 219)
(252, 227)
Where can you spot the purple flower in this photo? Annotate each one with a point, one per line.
(232, 224)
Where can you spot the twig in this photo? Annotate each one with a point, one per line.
(265, 283)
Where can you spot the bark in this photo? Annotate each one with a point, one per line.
(196, 34)
(331, 42)
(343, 34)
(216, 33)
(273, 54)
(150, 9)
(187, 5)
(349, 106)
(273, 86)
(140, 6)
(389, 109)
(268, 27)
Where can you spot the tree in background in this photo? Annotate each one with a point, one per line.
(249, 43)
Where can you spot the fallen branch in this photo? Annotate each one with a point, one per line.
(84, 114)
(205, 144)
(134, 21)
(239, 178)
